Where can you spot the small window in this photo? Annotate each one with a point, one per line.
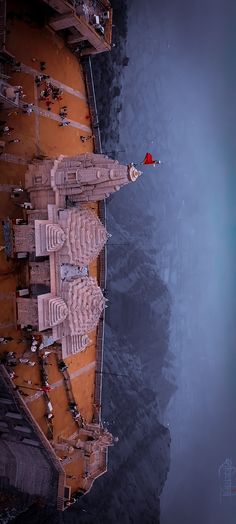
(38, 179)
(71, 177)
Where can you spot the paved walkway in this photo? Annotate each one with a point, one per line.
(38, 111)
(7, 325)
(14, 159)
(62, 86)
(54, 116)
(60, 382)
(7, 295)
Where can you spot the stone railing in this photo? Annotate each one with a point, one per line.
(89, 83)
(88, 75)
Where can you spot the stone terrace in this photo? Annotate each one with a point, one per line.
(40, 134)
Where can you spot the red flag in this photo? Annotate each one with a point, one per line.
(148, 159)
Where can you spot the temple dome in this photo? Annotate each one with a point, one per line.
(85, 304)
(86, 236)
(133, 172)
(55, 237)
(58, 311)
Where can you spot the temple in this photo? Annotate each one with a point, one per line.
(70, 180)
(62, 241)
(59, 238)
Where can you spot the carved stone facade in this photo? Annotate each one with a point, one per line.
(67, 241)
(92, 442)
(40, 272)
(62, 238)
(24, 238)
(83, 178)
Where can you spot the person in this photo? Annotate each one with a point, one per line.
(25, 205)
(12, 375)
(27, 108)
(45, 388)
(17, 190)
(28, 328)
(63, 124)
(50, 416)
(48, 104)
(14, 141)
(7, 130)
(42, 66)
(63, 113)
(62, 366)
(19, 90)
(86, 138)
(17, 67)
(38, 80)
(11, 354)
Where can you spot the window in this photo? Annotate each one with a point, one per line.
(71, 177)
(38, 179)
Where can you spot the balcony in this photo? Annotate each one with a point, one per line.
(87, 23)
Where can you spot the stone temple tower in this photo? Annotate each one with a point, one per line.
(84, 178)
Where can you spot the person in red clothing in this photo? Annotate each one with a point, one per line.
(49, 103)
(45, 389)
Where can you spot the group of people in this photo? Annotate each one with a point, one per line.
(49, 92)
(28, 108)
(11, 360)
(63, 115)
(72, 405)
(86, 138)
(15, 94)
(5, 129)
